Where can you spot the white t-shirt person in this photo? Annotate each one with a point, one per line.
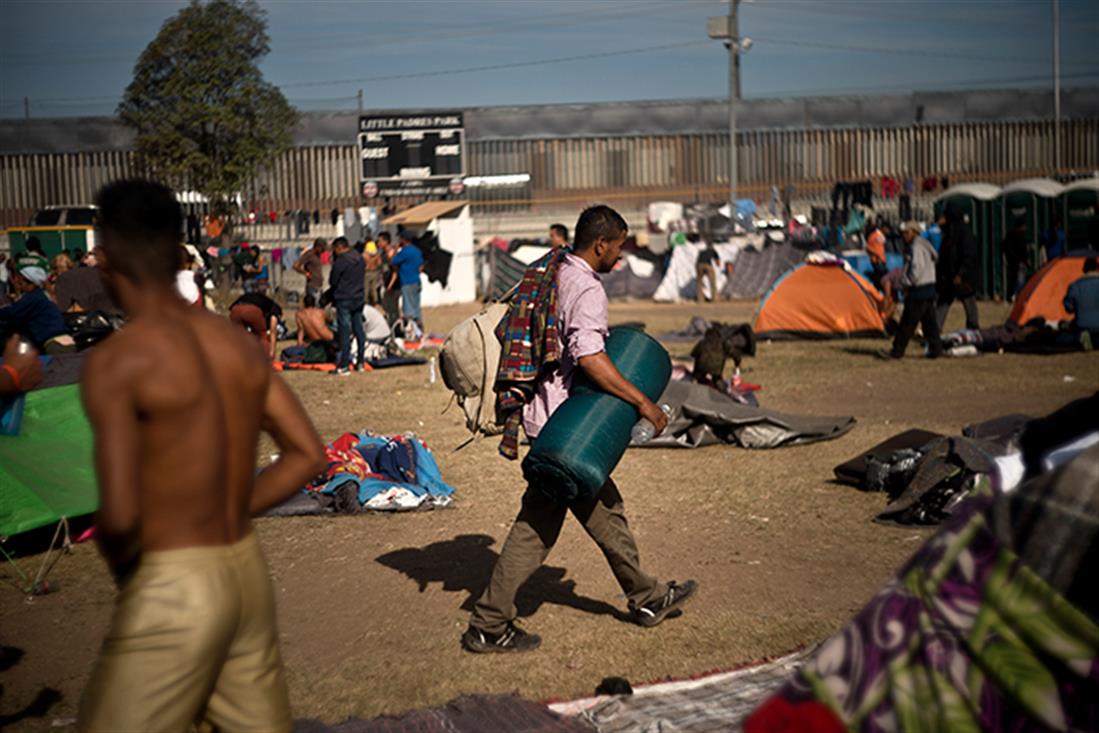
(374, 324)
(187, 287)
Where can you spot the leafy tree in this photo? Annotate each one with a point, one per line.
(204, 116)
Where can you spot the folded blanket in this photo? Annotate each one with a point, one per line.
(990, 626)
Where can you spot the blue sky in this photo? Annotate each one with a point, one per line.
(76, 57)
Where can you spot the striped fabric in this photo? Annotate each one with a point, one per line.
(528, 345)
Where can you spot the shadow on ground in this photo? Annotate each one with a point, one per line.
(464, 565)
(46, 698)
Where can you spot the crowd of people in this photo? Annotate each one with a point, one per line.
(942, 265)
(354, 299)
(171, 527)
(37, 293)
(373, 287)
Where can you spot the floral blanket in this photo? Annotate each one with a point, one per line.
(989, 627)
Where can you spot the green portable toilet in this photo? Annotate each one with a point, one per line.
(58, 229)
(1035, 201)
(980, 205)
(1080, 212)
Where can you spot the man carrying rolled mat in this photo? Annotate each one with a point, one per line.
(581, 319)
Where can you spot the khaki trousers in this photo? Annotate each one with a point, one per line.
(372, 284)
(710, 273)
(533, 535)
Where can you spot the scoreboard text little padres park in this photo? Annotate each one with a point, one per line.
(411, 155)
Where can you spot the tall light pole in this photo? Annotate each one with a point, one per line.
(725, 28)
(1056, 86)
(734, 98)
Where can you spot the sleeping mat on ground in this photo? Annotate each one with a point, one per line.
(701, 416)
(585, 438)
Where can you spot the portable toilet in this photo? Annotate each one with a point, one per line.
(980, 207)
(1080, 212)
(1034, 201)
(59, 229)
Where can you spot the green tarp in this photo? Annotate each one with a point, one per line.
(46, 471)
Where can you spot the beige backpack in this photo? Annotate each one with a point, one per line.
(468, 362)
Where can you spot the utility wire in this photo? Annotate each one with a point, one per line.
(376, 39)
(900, 88)
(586, 57)
(438, 72)
(495, 67)
(772, 94)
(911, 52)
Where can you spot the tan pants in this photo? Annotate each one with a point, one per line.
(192, 640)
(372, 284)
(533, 535)
(709, 272)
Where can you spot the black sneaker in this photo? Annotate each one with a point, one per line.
(511, 639)
(653, 612)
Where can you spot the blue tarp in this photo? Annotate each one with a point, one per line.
(860, 263)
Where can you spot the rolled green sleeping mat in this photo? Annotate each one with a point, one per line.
(584, 439)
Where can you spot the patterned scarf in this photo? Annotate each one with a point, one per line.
(529, 346)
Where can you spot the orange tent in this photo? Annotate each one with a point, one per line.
(1043, 295)
(820, 301)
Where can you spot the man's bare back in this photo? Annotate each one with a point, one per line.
(179, 398)
(312, 326)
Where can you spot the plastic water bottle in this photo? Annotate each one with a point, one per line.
(643, 431)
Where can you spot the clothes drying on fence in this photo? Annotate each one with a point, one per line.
(703, 416)
(436, 260)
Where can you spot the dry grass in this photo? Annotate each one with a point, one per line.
(371, 607)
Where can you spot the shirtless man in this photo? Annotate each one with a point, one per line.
(177, 401)
(312, 323)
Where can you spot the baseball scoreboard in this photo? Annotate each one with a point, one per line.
(411, 155)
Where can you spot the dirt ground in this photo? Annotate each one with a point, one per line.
(371, 607)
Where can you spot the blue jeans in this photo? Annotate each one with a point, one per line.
(349, 319)
(410, 302)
